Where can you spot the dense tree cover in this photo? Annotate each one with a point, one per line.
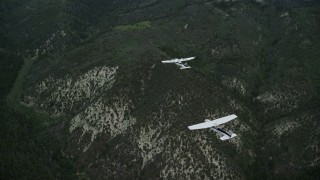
(27, 149)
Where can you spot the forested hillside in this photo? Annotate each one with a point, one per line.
(84, 94)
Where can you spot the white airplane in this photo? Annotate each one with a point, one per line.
(212, 125)
(179, 63)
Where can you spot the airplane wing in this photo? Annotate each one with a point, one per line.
(186, 59)
(216, 122)
(170, 61)
(177, 60)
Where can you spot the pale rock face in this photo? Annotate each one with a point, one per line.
(235, 83)
(282, 100)
(285, 14)
(48, 46)
(234, 104)
(36, 54)
(222, 51)
(68, 94)
(62, 95)
(102, 117)
(178, 150)
(285, 128)
(183, 164)
(314, 149)
(62, 33)
(289, 125)
(150, 143)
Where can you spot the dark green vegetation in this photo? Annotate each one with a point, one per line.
(264, 57)
(137, 26)
(28, 149)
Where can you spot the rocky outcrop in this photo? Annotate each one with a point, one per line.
(70, 94)
(104, 117)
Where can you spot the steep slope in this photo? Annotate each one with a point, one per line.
(29, 145)
(127, 113)
(111, 99)
(289, 96)
(37, 27)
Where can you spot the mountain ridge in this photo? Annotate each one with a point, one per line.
(124, 114)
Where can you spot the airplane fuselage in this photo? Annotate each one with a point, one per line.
(218, 130)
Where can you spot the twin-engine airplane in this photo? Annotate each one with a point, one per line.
(179, 62)
(212, 125)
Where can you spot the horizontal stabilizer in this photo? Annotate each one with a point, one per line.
(226, 137)
(185, 67)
